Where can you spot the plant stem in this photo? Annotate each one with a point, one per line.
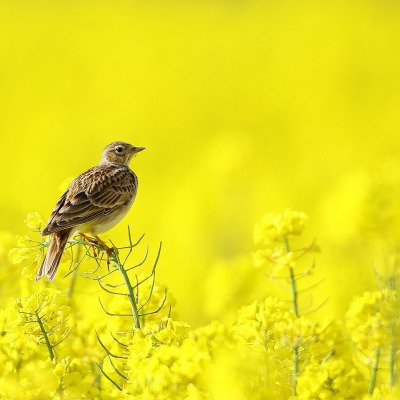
(294, 292)
(393, 346)
(374, 371)
(46, 338)
(393, 375)
(295, 370)
(74, 275)
(130, 294)
(392, 282)
(292, 279)
(293, 288)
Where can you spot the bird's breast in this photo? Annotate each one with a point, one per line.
(106, 222)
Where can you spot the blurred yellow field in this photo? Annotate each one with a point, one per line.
(245, 109)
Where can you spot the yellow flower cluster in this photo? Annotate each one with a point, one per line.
(165, 361)
(254, 322)
(275, 226)
(384, 393)
(35, 222)
(44, 317)
(29, 253)
(275, 232)
(51, 346)
(373, 323)
(33, 328)
(74, 380)
(285, 340)
(332, 379)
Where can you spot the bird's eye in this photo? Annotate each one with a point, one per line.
(119, 149)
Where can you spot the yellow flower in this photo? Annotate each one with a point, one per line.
(333, 379)
(276, 232)
(371, 318)
(34, 221)
(274, 226)
(19, 254)
(167, 363)
(140, 345)
(59, 370)
(42, 316)
(384, 392)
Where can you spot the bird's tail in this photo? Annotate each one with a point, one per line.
(53, 256)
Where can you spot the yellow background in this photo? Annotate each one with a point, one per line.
(244, 107)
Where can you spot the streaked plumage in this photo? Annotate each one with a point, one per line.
(94, 202)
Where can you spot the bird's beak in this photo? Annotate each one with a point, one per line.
(137, 149)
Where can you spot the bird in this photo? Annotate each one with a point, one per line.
(94, 202)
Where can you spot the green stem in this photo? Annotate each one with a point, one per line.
(374, 371)
(295, 370)
(294, 292)
(74, 275)
(393, 347)
(392, 282)
(46, 338)
(293, 286)
(130, 294)
(393, 351)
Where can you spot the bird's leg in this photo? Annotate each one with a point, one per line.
(108, 249)
(100, 242)
(91, 241)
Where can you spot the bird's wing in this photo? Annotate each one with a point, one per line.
(95, 193)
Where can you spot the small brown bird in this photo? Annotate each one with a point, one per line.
(94, 202)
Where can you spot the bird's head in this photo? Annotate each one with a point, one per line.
(119, 153)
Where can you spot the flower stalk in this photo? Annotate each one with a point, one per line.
(292, 280)
(295, 370)
(374, 371)
(393, 372)
(131, 295)
(45, 336)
